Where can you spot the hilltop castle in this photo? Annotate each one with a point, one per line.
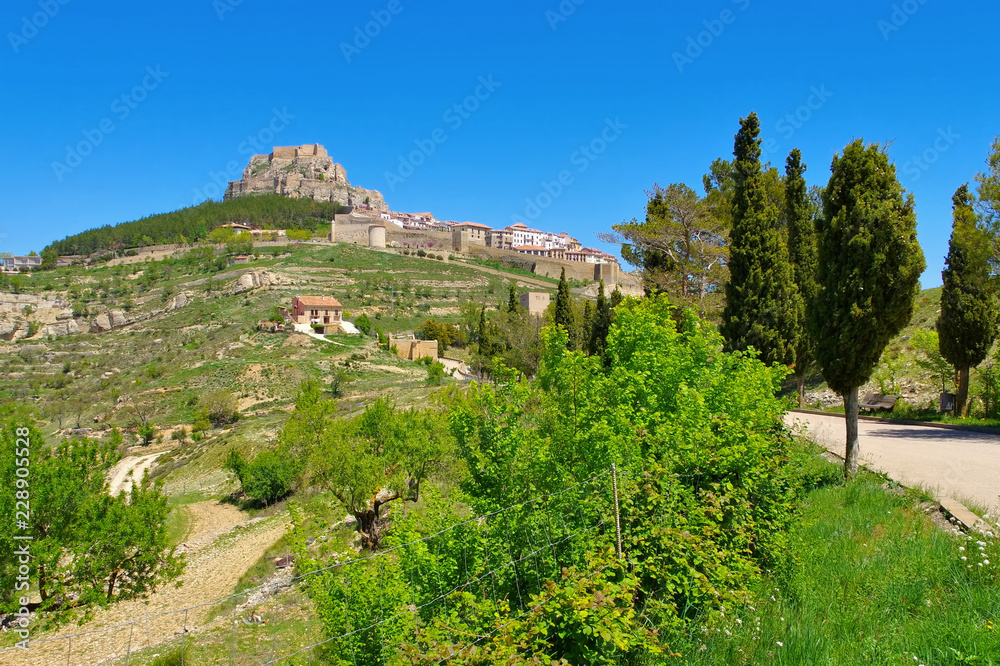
(304, 171)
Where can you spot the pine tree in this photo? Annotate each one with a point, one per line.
(564, 308)
(968, 319)
(802, 257)
(762, 302)
(869, 269)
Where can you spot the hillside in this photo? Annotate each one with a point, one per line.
(178, 328)
(268, 211)
(183, 329)
(179, 331)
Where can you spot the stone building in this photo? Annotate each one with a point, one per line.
(414, 350)
(323, 313)
(535, 302)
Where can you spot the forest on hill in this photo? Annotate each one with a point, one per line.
(194, 223)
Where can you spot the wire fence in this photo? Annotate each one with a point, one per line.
(369, 602)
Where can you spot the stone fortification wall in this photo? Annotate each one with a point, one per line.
(291, 152)
(303, 172)
(441, 239)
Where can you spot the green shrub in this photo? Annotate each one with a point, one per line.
(146, 433)
(435, 374)
(364, 324)
(220, 407)
(268, 477)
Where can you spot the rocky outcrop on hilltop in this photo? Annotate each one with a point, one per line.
(304, 172)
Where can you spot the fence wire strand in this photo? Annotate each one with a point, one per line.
(545, 541)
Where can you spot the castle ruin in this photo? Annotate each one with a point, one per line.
(308, 172)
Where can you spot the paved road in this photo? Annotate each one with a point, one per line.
(951, 463)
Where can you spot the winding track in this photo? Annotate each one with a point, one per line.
(953, 464)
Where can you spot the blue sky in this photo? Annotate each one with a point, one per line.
(167, 99)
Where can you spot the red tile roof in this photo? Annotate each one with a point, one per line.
(319, 301)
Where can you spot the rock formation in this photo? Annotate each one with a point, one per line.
(111, 319)
(251, 281)
(306, 172)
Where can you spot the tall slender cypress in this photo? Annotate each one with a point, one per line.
(601, 325)
(967, 323)
(563, 315)
(762, 309)
(868, 274)
(802, 257)
(512, 300)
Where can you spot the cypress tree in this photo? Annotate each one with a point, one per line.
(512, 301)
(588, 326)
(761, 299)
(802, 257)
(602, 324)
(564, 308)
(488, 347)
(968, 319)
(869, 269)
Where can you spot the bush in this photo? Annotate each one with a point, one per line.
(435, 374)
(220, 407)
(146, 432)
(268, 477)
(364, 324)
(337, 382)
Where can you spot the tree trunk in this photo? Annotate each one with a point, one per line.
(43, 582)
(963, 392)
(851, 414)
(801, 379)
(112, 579)
(368, 528)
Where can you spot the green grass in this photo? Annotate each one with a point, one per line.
(873, 581)
(907, 413)
(178, 525)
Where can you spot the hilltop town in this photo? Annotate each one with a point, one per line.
(307, 171)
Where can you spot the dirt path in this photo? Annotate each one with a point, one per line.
(221, 547)
(955, 464)
(120, 476)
